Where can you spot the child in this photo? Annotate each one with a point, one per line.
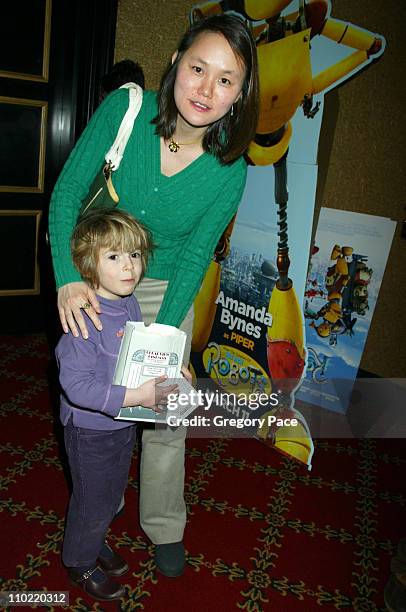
(110, 251)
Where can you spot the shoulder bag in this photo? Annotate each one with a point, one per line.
(101, 192)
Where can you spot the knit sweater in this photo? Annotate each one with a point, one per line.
(86, 368)
(186, 213)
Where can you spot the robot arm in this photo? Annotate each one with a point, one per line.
(347, 34)
(366, 44)
(254, 10)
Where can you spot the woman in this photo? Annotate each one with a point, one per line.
(182, 176)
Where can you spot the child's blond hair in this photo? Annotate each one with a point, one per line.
(111, 229)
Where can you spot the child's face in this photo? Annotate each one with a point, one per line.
(119, 273)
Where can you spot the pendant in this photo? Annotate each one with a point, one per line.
(173, 146)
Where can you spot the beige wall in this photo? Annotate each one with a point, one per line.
(366, 171)
(148, 31)
(361, 163)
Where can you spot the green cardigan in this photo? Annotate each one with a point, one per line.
(186, 213)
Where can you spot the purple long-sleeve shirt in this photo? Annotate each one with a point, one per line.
(86, 368)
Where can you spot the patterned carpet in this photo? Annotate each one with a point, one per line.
(262, 534)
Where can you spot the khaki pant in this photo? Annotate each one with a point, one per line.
(162, 505)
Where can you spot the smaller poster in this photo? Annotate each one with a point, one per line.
(345, 274)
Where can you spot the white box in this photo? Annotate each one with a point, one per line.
(147, 352)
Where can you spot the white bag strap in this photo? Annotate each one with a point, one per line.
(115, 154)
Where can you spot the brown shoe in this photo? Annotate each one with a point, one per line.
(107, 589)
(113, 565)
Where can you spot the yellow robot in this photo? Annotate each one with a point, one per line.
(286, 82)
(293, 441)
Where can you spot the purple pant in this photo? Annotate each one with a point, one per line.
(99, 463)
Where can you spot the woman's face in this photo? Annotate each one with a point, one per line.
(209, 80)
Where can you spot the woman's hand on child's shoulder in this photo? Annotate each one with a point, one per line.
(72, 299)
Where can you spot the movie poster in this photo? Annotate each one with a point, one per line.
(343, 282)
(249, 273)
(247, 330)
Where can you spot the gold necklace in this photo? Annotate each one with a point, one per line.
(174, 146)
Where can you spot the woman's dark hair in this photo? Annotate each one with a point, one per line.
(230, 136)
